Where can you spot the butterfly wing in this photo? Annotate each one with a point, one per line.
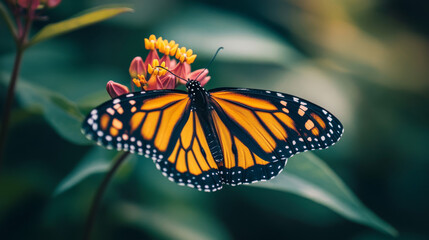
(259, 130)
(161, 125)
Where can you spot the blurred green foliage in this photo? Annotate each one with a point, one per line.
(365, 61)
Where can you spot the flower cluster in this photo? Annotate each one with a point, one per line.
(27, 11)
(35, 4)
(161, 73)
(152, 74)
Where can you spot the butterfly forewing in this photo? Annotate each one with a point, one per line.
(132, 122)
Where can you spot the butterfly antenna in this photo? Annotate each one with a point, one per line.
(211, 61)
(172, 73)
(208, 65)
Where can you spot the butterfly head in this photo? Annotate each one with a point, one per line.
(190, 83)
(197, 94)
(193, 86)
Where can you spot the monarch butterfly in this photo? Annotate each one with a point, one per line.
(204, 139)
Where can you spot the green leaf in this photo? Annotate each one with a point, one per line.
(62, 114)
(205, 29)
(308, 176)
(96, 161)
(8, 19)
(173, 222)
(89, 17)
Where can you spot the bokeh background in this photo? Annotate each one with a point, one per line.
(364, 60)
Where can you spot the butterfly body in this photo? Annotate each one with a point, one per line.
(200, 103)
(205, 139)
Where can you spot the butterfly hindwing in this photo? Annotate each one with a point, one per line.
(191, 162)
(159, 125)
(240, 162)
(267, 127)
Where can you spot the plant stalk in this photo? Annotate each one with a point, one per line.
(98, 196)
(9, 101)
(20, 47)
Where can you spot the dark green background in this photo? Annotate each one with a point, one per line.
(365, 61)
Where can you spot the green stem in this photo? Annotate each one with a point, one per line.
(97, 198)
(9, 102)
(20, 46)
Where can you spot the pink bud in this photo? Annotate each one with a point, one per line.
(52, 3)
(137, 67)
(32, 4)
(115, 89)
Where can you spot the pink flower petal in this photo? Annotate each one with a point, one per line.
(193, 75)
(153, 83)
(52, 3)
(187, 68)
(180, 70)
(204, 81)
(201, 74)
(168, 81)
(153, 54)
(158, 84)
(173, 63)
(165, 59)
(32, 4)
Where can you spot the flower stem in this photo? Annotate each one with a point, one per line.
(20, 47)
(97, 198)
(9, 101)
